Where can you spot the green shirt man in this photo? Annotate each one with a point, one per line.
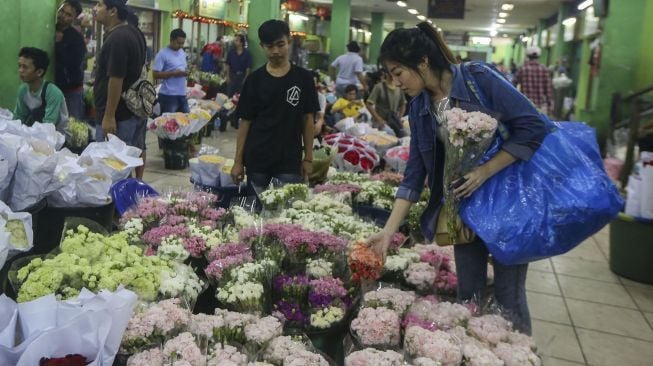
(32, 64)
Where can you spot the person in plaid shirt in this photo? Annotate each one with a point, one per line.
(535, 81)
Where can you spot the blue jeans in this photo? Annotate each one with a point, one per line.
(75, 104)
(262, 180)
(509, 283)
(173, 103)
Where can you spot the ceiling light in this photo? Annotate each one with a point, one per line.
(413, 11)
(481, 40)
(298, 16)
(361, 30)
(585, 4)
(505, 35)
(421, 17)
(401, 4)
(569, 21)
(429, 21)
(493, 33)
(439, 29)
(507, 7)
(501, 21)
(526, 39)
(503, 15)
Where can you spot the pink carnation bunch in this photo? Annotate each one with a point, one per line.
(227, 250)
(219, 267)
(154, 236)
(515, 355)
(183, 348)
(195, 246)
(392, 298)
(490, 328)
(439, 346)
(378, 327)
(421, 275)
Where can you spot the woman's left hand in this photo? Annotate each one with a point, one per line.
(474, 179)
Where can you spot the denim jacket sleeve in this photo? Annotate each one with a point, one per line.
(415, 174)
(526, 125)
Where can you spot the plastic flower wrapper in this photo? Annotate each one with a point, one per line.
(391, 298)
(154, 324)
(430, 314)
(396, 264)
(327, 317)
(150, 210)
(491, 328)
(243, 218)
(115, 154)
(364, 263)
(247, 297)
(149, 357)
(476, 353)
(260, 333)
(305, 357)
(18, 227)
(397, 157)
(344, 192)
(435, 345)
(134, 229)
(181, 281)
(173, 126)
(421, 276)
(377, 327)
(183, 348)
(203, 327)
(78, 132)
(374, 357)
(515, 355)
(226, 355)
(172, 249)
(261, 272)
(352, 154)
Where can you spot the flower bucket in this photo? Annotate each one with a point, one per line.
(176, 153)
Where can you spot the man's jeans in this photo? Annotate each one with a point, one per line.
(75, 104)
(509, 283)
(173, 103)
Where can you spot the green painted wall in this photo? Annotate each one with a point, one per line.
(25, 23)
(259, 12)
(644, 76)
(340, 16)
(501, 53)
(623, 59)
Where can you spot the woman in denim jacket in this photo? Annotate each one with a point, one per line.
(422, 65)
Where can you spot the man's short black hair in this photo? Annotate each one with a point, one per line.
(39, 57)
(177, 33)
(75, 5)
(272, 30)
(120, 5)
(351, 87)
(353, 47)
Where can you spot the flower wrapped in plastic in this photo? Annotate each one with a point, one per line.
(263, 330)
(173, 126)
(326, 318)
(275, 198)
(318, 268)
(222, 267)
(476, 353)
(154, 324)
(490, 328)
(396, 264)
(469, 135)
(436, 345)
(282, 347)
(391, 298)
(149, 357)
(352, 154)
(374, 357)
(397, 158)
(376, 193)
(377, 327)
(290, 287)
(184, 349)
(226, 355)
(326, 292)
(233, 326)
(514, 355)
(364, 263)
(421, 275)
(181, 281)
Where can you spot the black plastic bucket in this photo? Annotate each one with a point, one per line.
(175, 153)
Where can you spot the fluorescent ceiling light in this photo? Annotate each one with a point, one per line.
(503, 15)
(493, 33)
(298, 16)
(585, 4)
(401, 4)
(413, 11)
(569, 21)
(505, 35)
(507, 7)
(429, 21)
(526, 39)
(421, 17)
(361, 30)
(439, 29)
(501, 21)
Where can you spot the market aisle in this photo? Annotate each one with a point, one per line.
(583, 314)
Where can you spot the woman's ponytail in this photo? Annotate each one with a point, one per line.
(437, 39)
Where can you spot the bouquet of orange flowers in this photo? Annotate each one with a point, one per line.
(364, 263)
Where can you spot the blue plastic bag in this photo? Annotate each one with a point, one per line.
(126, 193)
(546, 206)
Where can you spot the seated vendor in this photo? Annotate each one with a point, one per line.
(39, 100)
(348, 106)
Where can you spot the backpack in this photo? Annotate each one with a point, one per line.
(141, 96)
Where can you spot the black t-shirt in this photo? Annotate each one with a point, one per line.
(69, 58)
(276, 107)
(123, 56)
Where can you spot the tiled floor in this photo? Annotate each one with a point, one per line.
(583, 314)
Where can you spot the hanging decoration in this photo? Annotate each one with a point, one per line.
(180, 14)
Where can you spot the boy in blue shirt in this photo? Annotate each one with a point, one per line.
(170, 65)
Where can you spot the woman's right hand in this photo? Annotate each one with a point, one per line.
(380, 242)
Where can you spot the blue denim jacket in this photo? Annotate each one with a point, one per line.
(494, 96)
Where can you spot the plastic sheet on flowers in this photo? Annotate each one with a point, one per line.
(545, 206)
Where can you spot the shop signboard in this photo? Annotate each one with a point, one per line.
(212, 8)
(150, 4)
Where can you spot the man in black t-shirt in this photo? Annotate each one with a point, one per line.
(69, 52)
(276, 108)
(119, 65)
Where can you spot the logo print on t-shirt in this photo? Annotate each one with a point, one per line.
(292, 96)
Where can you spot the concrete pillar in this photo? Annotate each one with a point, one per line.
(259, 12)
(340, 17)
(377, 37)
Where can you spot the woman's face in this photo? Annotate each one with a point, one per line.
(405, 78)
